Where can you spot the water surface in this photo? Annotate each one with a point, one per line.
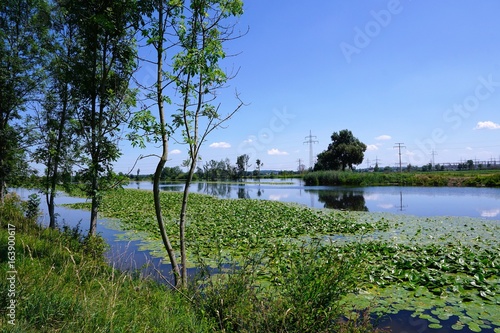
(419, 201)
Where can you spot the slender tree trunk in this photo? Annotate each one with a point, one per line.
(50, 204)
(161, 224)
(57, 159)
(3, 161)
(164, 155)
(95, 201)
(3, 188)
(182, 225)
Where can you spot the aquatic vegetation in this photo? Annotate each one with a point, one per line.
(441, 269)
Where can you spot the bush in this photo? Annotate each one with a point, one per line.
(304, 296)
(315, 278)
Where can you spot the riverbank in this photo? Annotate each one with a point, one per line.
(443, 270)
(439, 178)
(62, 283)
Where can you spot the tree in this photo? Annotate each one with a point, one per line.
(258, 164)
(344, 151)
(101, 73)
(470, 164)
(198, 76)
(162, 17)
(242, 164)
(23, 31)
(56, 148)
(170, 173)
(197, 33)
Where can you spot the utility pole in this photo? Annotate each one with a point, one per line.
(377, 166)
(433, 153)
(399, 146)
(310, 141)
(301, 166)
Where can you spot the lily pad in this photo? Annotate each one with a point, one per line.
(474, 327)
(435, 326)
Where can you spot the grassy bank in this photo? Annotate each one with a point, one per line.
(62, 284)
(438, 268)
(441, 178)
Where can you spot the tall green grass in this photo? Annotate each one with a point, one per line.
(442, 178)
(64, 285)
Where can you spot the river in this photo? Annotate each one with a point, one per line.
(419, 201)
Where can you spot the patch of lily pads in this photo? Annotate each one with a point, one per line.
(441, 269)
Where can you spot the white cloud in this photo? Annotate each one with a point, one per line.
(175, 152)
(220, 145)
(275, 151)
(487, 125)
(371, 147)
(277, 197)
(490, 213)
(386, 206)
(383, 137)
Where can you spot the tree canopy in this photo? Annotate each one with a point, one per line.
(345, 151)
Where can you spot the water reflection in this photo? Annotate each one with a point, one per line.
(420, 201)
(172, 188)
(344, 200)
(243, 192)
(490, 213)
(220, 190)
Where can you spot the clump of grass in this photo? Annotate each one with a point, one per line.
(305, 296)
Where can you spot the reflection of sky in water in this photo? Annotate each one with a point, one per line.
(124, 254)
(420, 201)
(490, 213)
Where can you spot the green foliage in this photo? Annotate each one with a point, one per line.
(305, 299)
(33, 206)
(13, 209)
(344, 151)
(145, 128)
(313, 281)
(23, 32)
(101, 68)
(171, 173)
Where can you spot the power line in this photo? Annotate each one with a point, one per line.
(310, 141)
(433, 153)
(399, 146)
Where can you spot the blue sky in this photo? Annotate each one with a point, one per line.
(418, 72)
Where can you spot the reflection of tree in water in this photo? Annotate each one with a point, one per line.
(243, 193)
(172, 188)
(220, 190)
(346, 200)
